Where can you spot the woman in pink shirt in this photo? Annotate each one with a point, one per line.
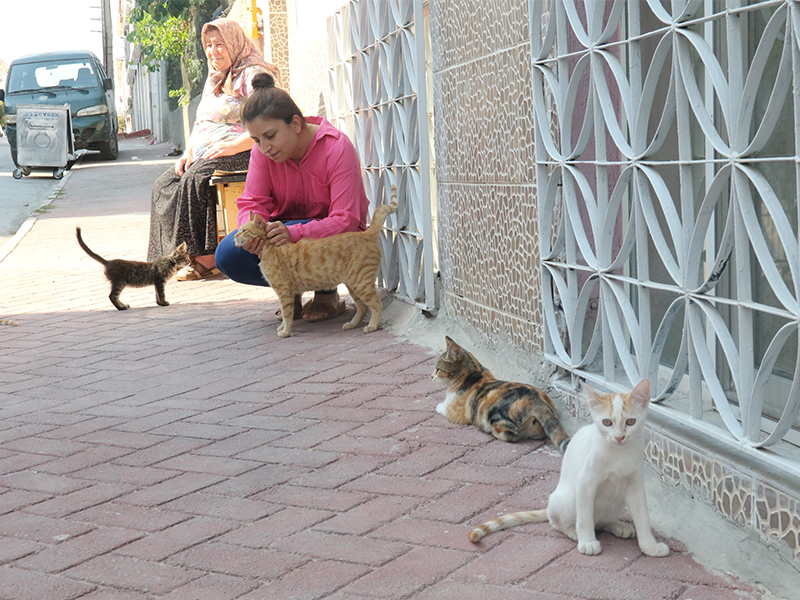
(304, 178)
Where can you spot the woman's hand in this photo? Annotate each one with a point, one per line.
(278, 234)
(185, 161)
(221, 149)
(254, 246)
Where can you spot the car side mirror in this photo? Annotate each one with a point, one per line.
(107, 83)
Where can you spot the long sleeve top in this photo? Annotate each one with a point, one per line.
(326, 185)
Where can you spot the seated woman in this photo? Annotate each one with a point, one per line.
(304, 178)
(183, 205)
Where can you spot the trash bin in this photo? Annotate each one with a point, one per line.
(44, 138)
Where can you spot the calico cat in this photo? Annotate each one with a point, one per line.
(509, 411)
(352, 258)
(122, 273)
(9, 322)
(602, 473)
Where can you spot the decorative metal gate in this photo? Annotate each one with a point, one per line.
(667, 178)
(378, 97)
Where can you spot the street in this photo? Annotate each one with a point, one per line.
(20, 197)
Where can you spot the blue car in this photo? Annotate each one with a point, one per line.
(75, 78)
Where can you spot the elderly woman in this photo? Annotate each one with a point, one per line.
(183, 207)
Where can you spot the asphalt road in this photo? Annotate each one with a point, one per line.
(20, 197)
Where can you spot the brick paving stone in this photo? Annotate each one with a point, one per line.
(61, 506)
(39, 529)
(449, 590)
(213, 465)
(169, 448)
(311, 581)
(515, 560)
(262, 533)
(344, 547)
(161, 544)
(106, 593)
(132, 574)
(230, 559)
(12, 500)
(94, 455)
(33, 481)
(586, 583)
(240, 443)
(411, 572)
(423, 460)
(78, 549)
(341, 471)
(213, 587)
(40, 445)
(390, 424)
(369, 515)
(717, 593)
(135, 476)
(225, 507)
(118, 514)
(459, 504)
(314, 434)
(302, 457)
(351, 444)
(171, 489)
(18, 584)
(13, 548)
(256, 480)
(423, 487)
(295, 495)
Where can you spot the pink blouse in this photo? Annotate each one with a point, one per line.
(326, 186)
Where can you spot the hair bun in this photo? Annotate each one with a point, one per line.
(263, 80)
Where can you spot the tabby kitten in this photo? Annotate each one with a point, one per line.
(122, 273)
(352, 258)
(509, 411)
(602, 473)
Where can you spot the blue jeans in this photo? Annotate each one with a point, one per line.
(242, 266)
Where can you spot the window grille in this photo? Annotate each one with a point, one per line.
(667, 169)
(378, 96)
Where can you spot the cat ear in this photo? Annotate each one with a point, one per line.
(258, 219)
(592, 396)
(453, 349)
(182, 247)
(641, 393)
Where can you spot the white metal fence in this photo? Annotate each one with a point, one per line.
(667, 177)
(378, 96)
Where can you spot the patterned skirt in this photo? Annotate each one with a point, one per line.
(184, 208)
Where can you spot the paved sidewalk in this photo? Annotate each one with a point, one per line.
(186, 452)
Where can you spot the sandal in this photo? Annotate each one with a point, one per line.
(196, 272)
(328, 311)
(298, 311)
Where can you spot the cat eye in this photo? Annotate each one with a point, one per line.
(630, 422)
(607, 422)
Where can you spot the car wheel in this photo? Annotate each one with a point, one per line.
(109, 150)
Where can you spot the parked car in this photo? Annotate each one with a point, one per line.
(76, 78)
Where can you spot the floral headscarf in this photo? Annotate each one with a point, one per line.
(242, 52)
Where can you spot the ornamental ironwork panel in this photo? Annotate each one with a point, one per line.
(667, 169)
(378, 97)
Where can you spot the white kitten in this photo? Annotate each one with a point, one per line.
(602, 473)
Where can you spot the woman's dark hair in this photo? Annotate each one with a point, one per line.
(269, 102)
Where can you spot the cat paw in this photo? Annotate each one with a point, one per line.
(370, 328)
(123, 306)
(440, 408)
(162, 303)
(589, 548)
(282, 332)
(347, 326)
(622, 530)
(656, 550)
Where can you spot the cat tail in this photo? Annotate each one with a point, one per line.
(97, 257)
(506, 521)
(380, 214)
(552, 427)
(9, 322)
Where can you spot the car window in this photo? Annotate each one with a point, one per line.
(36, 76)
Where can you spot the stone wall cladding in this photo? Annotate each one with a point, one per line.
(485, 168)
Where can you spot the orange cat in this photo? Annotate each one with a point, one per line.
(351, 258)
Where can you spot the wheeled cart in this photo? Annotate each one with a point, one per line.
(44, 139)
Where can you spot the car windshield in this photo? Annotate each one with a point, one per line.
(78, 73)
